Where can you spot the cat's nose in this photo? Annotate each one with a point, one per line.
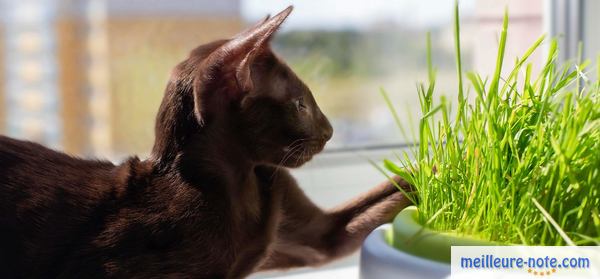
(327, 130)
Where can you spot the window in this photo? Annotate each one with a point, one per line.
(591, 41)
(347, 51)
(88, 76)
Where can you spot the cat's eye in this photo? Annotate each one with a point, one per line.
(299, 102)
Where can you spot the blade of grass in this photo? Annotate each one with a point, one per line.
(548, 217)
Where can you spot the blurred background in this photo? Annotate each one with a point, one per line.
(87, 76)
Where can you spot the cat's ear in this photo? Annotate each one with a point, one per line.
(233, 60)
(241, 51)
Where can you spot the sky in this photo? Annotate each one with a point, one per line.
(357, 14)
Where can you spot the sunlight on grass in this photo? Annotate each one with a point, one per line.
(520, 163)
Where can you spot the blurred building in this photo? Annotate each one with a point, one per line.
(30, 87)
(87, 76)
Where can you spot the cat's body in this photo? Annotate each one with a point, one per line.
(214, 200)
(65, 217)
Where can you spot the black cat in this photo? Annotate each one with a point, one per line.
(206, 203)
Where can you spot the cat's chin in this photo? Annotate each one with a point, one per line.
(297, 161)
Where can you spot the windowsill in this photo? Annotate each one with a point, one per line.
(349, 156)
(350, 272)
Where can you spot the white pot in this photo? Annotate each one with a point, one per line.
(379, 260)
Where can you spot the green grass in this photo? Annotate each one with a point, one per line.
(519, 162)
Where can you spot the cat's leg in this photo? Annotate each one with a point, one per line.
(311, 236)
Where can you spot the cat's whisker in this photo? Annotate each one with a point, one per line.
(294, 142)
(304, 149)
(283, 161)
(296, 145)
(290, 155)
(292, 150)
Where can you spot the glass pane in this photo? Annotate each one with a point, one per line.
(87, 76)
(591, 23)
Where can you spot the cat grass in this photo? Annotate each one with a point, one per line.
(516, 159)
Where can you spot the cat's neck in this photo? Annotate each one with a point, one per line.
(213, 155)
(217, 148)
(215, 162)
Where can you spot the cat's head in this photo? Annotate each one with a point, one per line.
(241, 88)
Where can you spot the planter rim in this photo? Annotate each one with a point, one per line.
(411, 237)
(379, 260)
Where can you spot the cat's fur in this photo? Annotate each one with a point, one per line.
(214, 200)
